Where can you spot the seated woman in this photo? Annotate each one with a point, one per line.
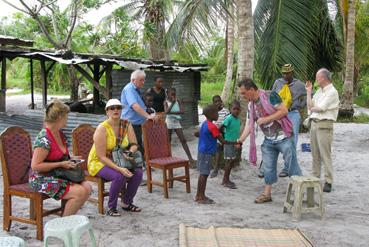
(100, 164)
(50, 151)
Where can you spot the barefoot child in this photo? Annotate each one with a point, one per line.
(149, 102)
(222, 114)
(174, 110)
(232, 125)
(208, 135)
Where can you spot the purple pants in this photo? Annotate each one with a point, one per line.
(121, 183)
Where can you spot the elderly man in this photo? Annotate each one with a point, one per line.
(134, 107)
(324, 110)
(270, 114)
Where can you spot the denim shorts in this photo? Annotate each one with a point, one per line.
(230, 152)
(204, 163)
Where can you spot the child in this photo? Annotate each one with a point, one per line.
(208, 135)
(223, 113)
(174, 110)
(232, 125)
(149, 101)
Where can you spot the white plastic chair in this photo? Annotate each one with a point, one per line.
(69, 229)
(12, 242)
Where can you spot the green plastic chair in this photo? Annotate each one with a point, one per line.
(69, 229)
(12, 242)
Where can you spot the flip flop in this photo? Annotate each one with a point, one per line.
(230, 185)
(206, 201)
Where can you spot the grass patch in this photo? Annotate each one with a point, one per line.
(208, 90)
(360, 119)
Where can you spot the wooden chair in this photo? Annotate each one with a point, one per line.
(82, 141)
(158, 155)
(16, 155)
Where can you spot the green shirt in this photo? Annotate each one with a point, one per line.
(232, 127)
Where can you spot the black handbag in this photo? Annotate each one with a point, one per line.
(119, 154)
(75, 175)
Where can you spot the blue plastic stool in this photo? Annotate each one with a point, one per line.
(12, 242)
(305, 147)
(69, 229)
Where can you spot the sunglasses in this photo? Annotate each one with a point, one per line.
(115, 107)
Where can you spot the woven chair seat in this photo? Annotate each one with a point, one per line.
(168, 160)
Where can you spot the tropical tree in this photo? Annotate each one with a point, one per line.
(346, 106)
(298, 32)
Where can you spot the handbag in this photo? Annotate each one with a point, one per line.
(307, 123)
(75, 175)
(119, 154)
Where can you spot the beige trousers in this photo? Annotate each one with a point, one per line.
(321, 137)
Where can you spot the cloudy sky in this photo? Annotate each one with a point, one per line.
(92, 17)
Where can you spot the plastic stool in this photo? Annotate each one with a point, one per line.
(300, 184)
(12, 242)
(69, 229)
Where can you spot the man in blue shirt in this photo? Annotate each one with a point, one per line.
(134, 109)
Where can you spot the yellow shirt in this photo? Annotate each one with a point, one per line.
(94, 163)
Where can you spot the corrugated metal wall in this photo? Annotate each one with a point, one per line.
(186, 83)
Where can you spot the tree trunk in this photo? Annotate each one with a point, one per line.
(346, 107)
(74, 82)
(245, 48)
(229, 48)
(157, 50)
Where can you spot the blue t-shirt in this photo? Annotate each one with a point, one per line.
(129, 96)
(208, 135)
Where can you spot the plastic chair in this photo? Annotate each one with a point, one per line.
(15, 154)
(12, 242)
(69, 229)
(300, 184)
(158, 154)
(82, 141)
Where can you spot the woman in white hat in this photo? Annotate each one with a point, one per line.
(101, 165)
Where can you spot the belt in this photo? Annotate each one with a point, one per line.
(315, 120)
(293, 109)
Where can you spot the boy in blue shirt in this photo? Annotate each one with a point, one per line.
(232, 125)
(208, 135)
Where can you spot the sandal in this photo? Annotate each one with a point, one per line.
(230, 185)
(132, 208)
(263, 198)
(205, 201)
(112, 212)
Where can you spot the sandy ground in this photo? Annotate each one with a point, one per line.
(346, 222)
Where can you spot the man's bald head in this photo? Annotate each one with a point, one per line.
(323, 77)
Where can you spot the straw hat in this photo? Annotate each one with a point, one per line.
(287, 68)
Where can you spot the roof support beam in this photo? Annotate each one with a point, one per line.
(3, 85)
(32, 84)
(94, 82)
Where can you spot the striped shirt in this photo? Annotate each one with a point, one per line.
(223, 113)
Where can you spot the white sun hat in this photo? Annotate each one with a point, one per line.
(112, 102)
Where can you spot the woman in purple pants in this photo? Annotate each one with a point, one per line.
(100, 164)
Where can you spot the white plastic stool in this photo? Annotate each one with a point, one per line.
(12, 242)
(69, 229)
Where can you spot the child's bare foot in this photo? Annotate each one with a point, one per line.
(229, 185)
(206, 200)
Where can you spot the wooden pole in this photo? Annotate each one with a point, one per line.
(96, 78)
(109, 80)
(3, 85)
(32, 84)
(44, 83)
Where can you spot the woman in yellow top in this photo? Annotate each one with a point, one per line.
(100, 164)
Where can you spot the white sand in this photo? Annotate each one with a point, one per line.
(346, 221)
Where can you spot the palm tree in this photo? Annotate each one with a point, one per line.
(299, 32)
(346, 107)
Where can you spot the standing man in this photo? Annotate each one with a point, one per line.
(270, 114)
(298, 94)
(324, 111)
(135, 109)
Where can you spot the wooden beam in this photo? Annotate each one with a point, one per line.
(109, 79)
(94, 82)
(44, 83)
(15, 41)
(102, 72)
(96, 70)
(3, 85)
(32, 84)
(50, 67)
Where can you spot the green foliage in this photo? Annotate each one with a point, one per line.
(298, 32)
(208, 90)
(362, 118)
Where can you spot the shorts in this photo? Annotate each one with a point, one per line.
(230, 152)
(204, 163)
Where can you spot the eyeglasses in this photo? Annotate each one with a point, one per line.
(115, 107)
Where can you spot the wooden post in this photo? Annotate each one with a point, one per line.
(109, 80)
(3, 85)
(44, 83)
(96, 78)
(32, 84)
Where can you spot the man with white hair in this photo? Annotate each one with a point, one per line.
(134, 109)
(324, 111)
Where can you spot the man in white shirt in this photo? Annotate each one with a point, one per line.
(324, 111)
